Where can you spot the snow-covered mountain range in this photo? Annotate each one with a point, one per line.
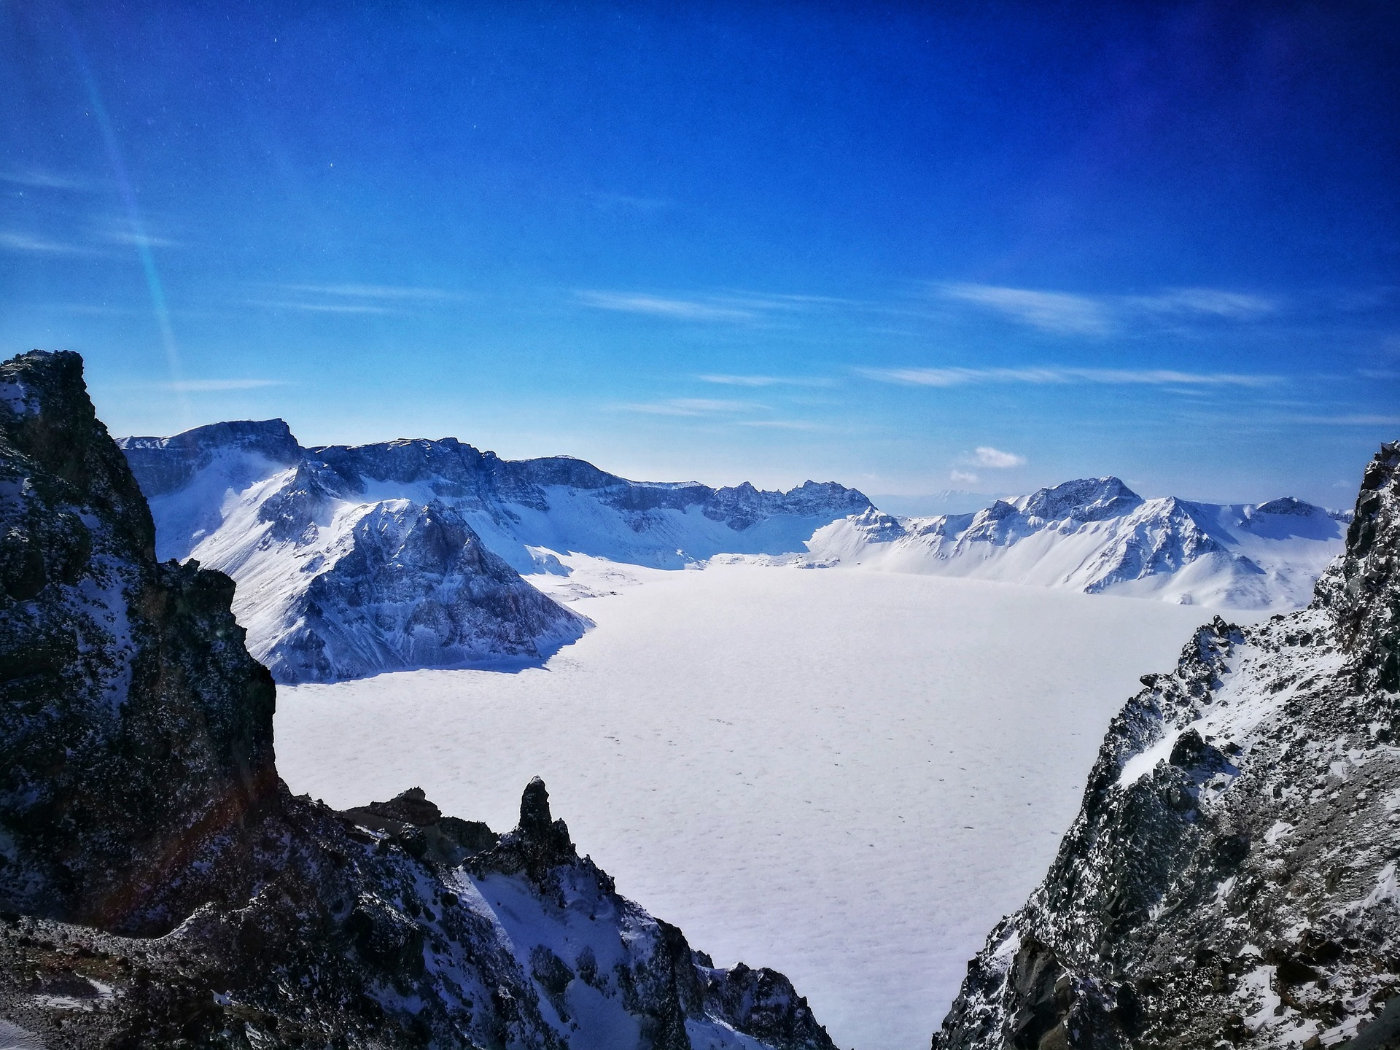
(1097, 535)
(355, 560)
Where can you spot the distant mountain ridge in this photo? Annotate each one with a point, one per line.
(1096, 535)
(351, 560)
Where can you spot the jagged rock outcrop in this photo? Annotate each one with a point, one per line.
(1097, 535)
(407, 554)
(159, 885)
(135, 731)
(1231, 879)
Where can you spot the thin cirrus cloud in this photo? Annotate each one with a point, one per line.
(963, 477)
(955, 376)
(17, 241)
(996, 459)
(370, 291)
(730, 306)
(34, 178)
(1069, 313)
(137, 239)
(691, 406)
(658, 306)
(352, 298)
(1059, 312)
(1208, 302)
(321, 308)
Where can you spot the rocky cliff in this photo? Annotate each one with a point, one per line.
(1231, 879)
(160, 887)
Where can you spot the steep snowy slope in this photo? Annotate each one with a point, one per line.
(1231, 877)
(351, 561)
(1097, 535)
(160, 887)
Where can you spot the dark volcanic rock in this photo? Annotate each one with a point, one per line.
(138, 797)
(1232, 876)
(135, 730)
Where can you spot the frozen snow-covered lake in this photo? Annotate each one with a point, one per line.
(846, 775)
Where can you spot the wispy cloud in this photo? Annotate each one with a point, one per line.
(206, 386)
(950, 377)
(996, 459)
(1072, 313)
(1210, 302)
(135, 239)
(321, 308)
(1058, 312)
(16, 241)
(762, 381)
(692, 406)
(34, 178)
(656, 306)
(371, 291)
(962, 477)
(725, 306)
(351, 298)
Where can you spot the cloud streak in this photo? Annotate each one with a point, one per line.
(692, 406)
(762, 381)
(1058, 312)
(322, 308)
(34, 178)
(28, 243)
(1068, 313)
(726, 307)
(1043, 376)
(657, 306)
(371, 291)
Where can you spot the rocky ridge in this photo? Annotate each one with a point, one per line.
(1231, 879)
(160, 887)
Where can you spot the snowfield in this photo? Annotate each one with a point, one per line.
(847, 776)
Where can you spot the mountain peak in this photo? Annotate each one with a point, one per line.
(1085, 499)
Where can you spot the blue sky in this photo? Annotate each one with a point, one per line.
(990, 247)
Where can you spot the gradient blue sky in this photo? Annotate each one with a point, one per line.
(991, 247)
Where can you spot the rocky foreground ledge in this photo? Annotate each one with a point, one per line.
(1231, 880)
(159, 886)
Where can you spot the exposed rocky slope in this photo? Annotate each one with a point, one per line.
(382, 557)
(160, 887)
(1231, 879)
(1097, 535)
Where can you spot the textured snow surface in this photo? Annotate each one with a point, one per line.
(846, 776)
